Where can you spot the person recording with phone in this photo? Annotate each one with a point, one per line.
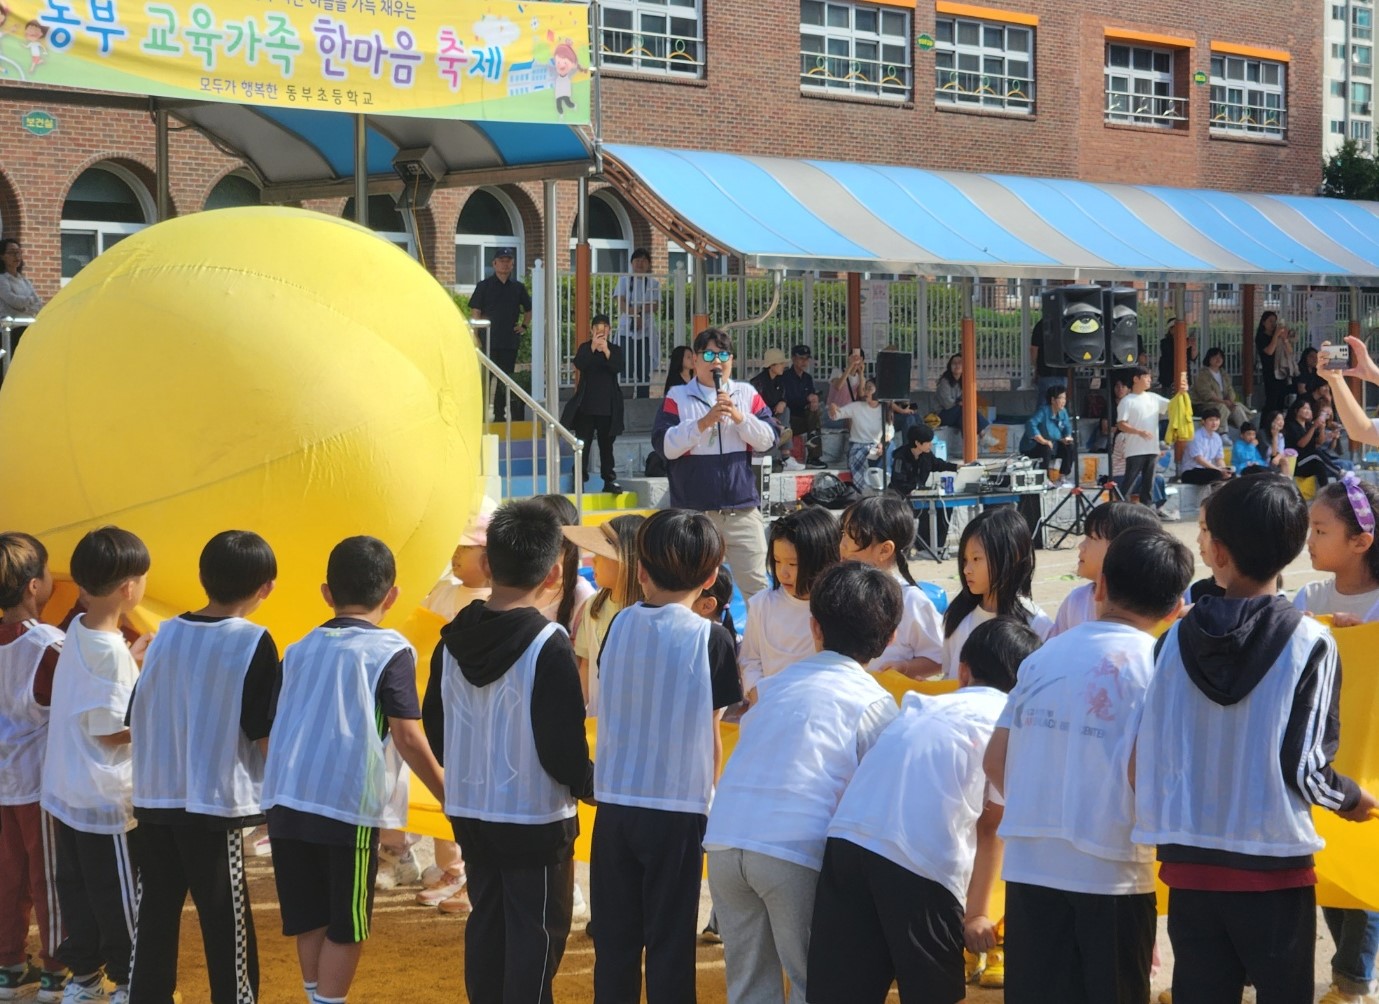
(707, 430)
(1334, 364)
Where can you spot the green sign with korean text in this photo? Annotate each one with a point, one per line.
(925, 41)
(39, 123)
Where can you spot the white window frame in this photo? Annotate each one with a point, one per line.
(665, 52)
(1362, 67)
(717, 266)
(489, 243)
(1241, 105)
(107, 235)
(1143, 96)
(404, 239)
(838, 65)
(1358, 105)
(1361, 32)
(1361, 130)
(982, 86)
(600, 248)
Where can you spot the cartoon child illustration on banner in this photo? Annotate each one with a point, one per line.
(34, 34)
(566, 63)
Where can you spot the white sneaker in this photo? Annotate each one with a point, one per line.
(92, 993)
(792, 465)
(120, 995)
(394, 871)
(433, 895)
(580, 913)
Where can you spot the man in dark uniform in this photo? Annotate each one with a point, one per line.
(504, 302)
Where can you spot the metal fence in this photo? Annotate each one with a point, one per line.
(924, 317)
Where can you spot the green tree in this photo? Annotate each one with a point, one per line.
(1351, 173)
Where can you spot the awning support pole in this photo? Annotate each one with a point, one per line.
(700, 290)
(1247, 341)
(163, 165)
(583, 264)
(361, 170)
(1357, 386)
(552, 335)
(854, 309)
(969, 376)
(1179, 357)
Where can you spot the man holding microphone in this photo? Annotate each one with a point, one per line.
(707, 430)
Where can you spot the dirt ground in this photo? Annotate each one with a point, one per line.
(416, 955)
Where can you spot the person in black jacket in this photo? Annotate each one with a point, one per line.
(504, 682)
(596, 408)
(915, 461)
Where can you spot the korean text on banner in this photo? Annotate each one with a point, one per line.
(499, 60)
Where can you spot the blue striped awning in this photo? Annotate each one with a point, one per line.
(299, 153)
(810, 214)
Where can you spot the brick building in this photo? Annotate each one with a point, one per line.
(1226, 95)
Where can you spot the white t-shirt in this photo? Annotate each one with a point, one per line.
(866, 421)
(920, 634)
(1142, 411)
(1077, 607)
(449, 596)
(590, 630)
(917, 795)
(1040, 622)
(583, 590)
(642, 292)
(777, 635)
(1203, 445)
(1321, 598)
(1072, 717)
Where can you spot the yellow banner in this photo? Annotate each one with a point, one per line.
(498, 60)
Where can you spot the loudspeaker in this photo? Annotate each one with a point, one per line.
(1121, 317)
(893, 376)
(1074, 333)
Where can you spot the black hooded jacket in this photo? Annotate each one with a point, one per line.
(486, 644)
(1227, 647)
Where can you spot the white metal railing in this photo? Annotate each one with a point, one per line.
(544, 432)
(7, 326)
(628, 40)
(879, 78)
(1129, 108)
(990, 90)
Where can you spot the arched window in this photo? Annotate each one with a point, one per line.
(610, 235)
(104, 206)
(234, 190)
(386, 220)
(488, 221)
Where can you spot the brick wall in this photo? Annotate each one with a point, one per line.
(750, 102)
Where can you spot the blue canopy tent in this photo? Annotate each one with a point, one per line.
(778, 213)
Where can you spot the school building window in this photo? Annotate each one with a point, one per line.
(1248, 96)
(984, 64)
(855, 48)
(488, 221)
(653, 36)
(386, 220)
(104, 206)
(1140, 87)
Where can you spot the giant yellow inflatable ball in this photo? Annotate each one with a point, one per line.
(266, 369)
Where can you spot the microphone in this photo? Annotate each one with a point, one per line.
(717, 379)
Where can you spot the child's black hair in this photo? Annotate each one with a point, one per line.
(994, 650)
(359, 572)
(880, 518)
(1004, 536)
(22, 559)
(1335, 497)
(858, 608)
(236, 564)
(1247, 427)
(679, 549)
(1261, 521)
(813, 531)
(722, 593)
(600, 319)
(1146, 570)
(1110, 519)
(106, 557)
(567, 515)
(524, 541)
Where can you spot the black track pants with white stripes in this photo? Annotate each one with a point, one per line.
(208, 863)
(516, 933)
(96, 887)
